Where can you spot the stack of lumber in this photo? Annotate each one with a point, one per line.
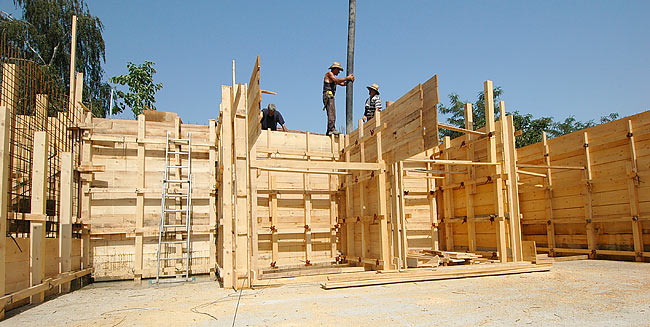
(421, 275)
(432, 258)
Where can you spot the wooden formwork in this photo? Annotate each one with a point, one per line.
(292, 199)
(123, 195)
(584, 192)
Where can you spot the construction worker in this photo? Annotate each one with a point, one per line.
(271, 118)
(329, 89)
(373, 103)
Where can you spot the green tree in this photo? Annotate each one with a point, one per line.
(142, 89)
(44, 32)
(530, 126)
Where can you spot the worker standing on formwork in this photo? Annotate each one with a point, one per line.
(373, 103)
(329, 89)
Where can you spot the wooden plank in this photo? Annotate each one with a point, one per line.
(365, 231)
(5, 148)
(213, 201)
(73, 57)
(39, 198)
(448, 198)
(589, 213)
(465, 130)
(139, 211)
(296, 164)
(509, 170)
(514, 183)
(550, 225)
(65, 216)
(433, 208)
(349, 220)
(382, 202)
(308, 209)
(332, 187)
(42, 287)
(226, 188)
(633, 191)
(471, 171)
(498, 187)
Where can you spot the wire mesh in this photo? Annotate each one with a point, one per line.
(37, 100)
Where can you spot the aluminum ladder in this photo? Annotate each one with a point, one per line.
(174, 246)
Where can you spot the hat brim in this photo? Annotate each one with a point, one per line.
(337, 67)
(372, 88)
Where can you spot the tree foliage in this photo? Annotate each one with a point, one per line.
(142, 90)
(530, 126)
(44, 32)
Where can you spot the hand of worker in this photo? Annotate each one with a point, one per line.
(364, 119)
(350, 77)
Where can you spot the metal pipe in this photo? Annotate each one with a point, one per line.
(349, 112)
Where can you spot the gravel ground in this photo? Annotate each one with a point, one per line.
(574, 293)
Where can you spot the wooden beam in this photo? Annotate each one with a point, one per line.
(465, 130)
(433, 209)
(349, 220)
(589, 214)
(509, 169)
(226, 189)
(550, 166)
(139, 210)
(73, 57)
(382, 202)
(212, 211)
(471, 171)
(295, 164)
(550, 225)
(5, 148)
(499, 209)
(332, 187)
(453, 162)
(515, 218)
(39, 200)
(448, 199)
(65, 216)
(307, 204)
(633, 181)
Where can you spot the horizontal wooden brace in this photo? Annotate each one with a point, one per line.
(311, 154)
(458, 129)
(531, 173)
(453, 162)
(304, 171)
(42, 287)
(280, 231)
(549, 167)
(295, 164)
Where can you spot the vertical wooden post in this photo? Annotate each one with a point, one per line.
(73, 57)
(550, 225)
(511, 184)
(633, 191)
(591, 230)
(365, 232)
(433, 208)
(5, 125)
(333, 212)
(242, 201)
(470, 189)
(227, 189)
(39, 199)
(79, 111)
(139, 209)
(490, 128)
(395, 215)
(404, 248)
(382, 204)
(350, 222)
(254, 228)
(65, 216)
(307, 195)
(448, 198)
(212, 211)
(273, 212)
(513, 179)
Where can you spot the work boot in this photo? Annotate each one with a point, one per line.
(334, 132)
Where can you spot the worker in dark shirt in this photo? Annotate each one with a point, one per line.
(271, 118)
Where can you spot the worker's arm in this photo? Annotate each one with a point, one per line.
(284, 128)
(340, 81)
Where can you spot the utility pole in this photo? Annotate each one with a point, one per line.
(350, 69)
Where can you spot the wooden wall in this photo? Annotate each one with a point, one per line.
(113, 189)
(600, 205)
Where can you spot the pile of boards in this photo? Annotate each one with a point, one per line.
(370, 278)
(432, 258)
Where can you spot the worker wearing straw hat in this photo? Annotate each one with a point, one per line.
(373, 103)
(329, 89)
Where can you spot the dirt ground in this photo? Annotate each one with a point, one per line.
(574, 293)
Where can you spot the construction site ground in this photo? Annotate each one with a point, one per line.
(573, 293)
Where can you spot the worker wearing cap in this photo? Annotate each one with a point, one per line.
(271, 118)
(373, 103)
(329, 89)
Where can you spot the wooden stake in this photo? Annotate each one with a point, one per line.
(448, 198)
(307, 195)
(591, 230)
(73, 57)
(5, 148)
(511, 184)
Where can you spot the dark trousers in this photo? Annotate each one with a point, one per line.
(328, 102)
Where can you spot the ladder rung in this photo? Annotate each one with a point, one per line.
(178, 152)
(185, 141)
(177, 181)
(176, 195)
(174, 226)
(175, 210)
(181, 167)
(174, 242)
(174, 258)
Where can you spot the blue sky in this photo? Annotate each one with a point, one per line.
(552, 58)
